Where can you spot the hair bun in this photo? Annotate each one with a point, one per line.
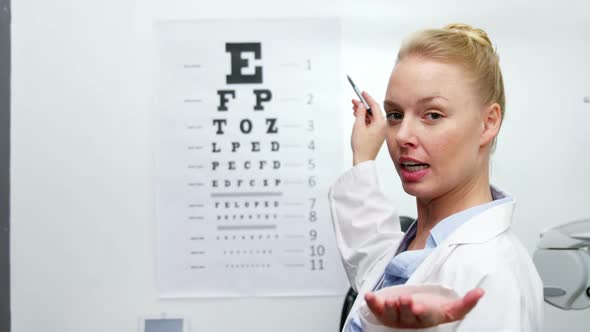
(478, 35)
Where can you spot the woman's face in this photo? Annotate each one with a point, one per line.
(434, 120)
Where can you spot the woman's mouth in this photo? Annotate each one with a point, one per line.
(413, 167)
(413, 171)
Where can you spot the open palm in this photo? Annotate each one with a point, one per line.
(423, 308)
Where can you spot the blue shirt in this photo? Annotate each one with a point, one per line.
(405, 262)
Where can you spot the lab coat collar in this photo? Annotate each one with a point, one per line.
(480, 228)
(486, 225)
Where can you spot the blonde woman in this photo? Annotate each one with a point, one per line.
(459, 267)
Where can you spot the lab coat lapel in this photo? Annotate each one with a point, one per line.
(479, 229)
(484, 226)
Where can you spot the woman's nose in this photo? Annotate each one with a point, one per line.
(406, 134)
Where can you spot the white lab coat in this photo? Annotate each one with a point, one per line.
(483, 252)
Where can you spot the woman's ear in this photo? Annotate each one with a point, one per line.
(491, 121)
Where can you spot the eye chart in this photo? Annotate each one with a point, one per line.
(247, 122)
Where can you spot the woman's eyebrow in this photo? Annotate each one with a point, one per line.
(429, 99)
(392, 104)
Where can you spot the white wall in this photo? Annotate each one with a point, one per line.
(83, 223)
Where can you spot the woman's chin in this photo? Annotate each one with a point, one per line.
(417, 189)
(410, 188)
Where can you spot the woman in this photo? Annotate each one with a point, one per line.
(444, 106)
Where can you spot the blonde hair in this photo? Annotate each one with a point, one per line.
(467, 46)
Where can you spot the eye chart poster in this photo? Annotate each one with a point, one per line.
(247, 146)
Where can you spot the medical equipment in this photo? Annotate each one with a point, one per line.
(563, 262)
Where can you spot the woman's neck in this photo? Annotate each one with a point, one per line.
(431, 211)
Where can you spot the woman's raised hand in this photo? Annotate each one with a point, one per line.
(421, 310)
(368, 132)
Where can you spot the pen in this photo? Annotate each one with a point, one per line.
(358, 93)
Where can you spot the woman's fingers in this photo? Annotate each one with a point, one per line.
(406, 316)
(461, 307)
(354, 107)
(375, 303)
(367, 135)
(359, 107)
(421, 310)
(375, 108)
(473, 296)
(391, 314)
(360, 112)
(418, 309)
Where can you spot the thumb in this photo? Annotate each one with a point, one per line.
(463, 306)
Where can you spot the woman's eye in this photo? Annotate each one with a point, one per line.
(433, 116)
(395, 116)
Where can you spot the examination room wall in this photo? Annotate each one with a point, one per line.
(83, 239)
